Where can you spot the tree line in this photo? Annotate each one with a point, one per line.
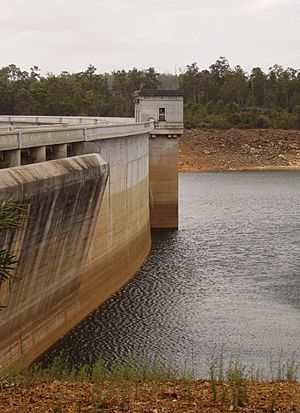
(218, 97)
(223, 97)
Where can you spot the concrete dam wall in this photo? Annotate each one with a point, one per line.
(88, 232)
(93, 188)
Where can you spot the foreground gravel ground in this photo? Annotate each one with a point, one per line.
(171, 396)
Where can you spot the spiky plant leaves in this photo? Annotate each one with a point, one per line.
(12, 215)
(8, 263)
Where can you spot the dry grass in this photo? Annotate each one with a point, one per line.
(146, 397)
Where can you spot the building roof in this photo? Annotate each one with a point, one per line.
(158, 93)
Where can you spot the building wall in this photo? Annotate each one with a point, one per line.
(148, 108)
(75, 252)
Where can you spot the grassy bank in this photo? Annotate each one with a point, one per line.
(150, 387)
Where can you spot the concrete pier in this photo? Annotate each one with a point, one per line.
(60, 151)
(12, 158)
(38, 154)
(163, 175)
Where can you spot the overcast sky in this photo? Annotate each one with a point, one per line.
(59, 35)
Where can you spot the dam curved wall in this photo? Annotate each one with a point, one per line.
(92, 209)
(122, 238)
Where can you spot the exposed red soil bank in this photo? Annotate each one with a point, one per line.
(239, 149)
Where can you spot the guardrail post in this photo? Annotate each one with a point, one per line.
(19, 137)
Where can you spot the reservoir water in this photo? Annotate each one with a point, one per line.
(230, 277)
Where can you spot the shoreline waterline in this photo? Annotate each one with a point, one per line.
(253, 169)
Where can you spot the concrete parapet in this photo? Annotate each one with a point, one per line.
(29, 138)
(80, 148)
(56, 120)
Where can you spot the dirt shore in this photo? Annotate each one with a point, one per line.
(167, 397)
(239, 149)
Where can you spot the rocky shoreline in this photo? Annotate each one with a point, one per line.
(239, 149)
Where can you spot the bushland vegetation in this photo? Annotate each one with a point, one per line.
(218, 97)
(221, 97)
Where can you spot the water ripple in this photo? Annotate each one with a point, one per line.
(230, 276)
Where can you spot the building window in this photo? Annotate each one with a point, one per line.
(162, 114)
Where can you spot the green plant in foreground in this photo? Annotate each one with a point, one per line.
(188, 381)
(227, 381)
(255, 373)
(285, 368)
(83, 373)
(216, 375)
(213, 380)
(237, 380)
(12, 216)
(273, 399)
(58, 403)
(135, 380)
(98, 374)
(291, 369)
(8, 263)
